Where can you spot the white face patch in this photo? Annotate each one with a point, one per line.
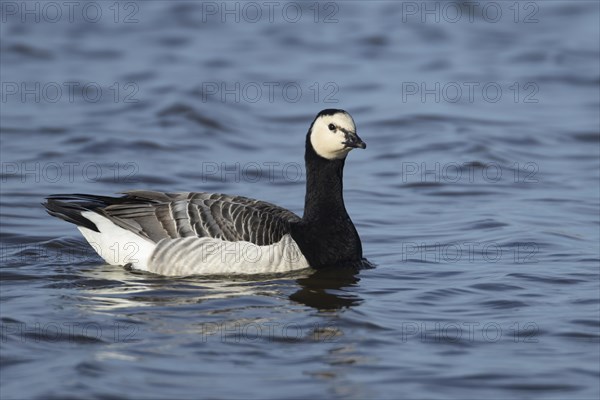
(327, 142)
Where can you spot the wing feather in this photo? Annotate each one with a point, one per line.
(157, 216)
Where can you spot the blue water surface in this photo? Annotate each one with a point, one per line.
(477, 197)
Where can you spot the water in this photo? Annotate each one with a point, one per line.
(477, 198)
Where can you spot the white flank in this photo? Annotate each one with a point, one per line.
(209, 256)
(117, 246)
(190, 255)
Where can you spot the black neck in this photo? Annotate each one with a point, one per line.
(324, 199)
(326, 234)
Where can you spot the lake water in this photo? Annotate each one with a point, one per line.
(477, 197)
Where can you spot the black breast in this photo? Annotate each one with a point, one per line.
(329, 242)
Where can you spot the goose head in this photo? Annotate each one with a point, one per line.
(332, 135)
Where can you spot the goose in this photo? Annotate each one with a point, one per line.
(179, 234)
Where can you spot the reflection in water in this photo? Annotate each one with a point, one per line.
(113, 288)
(324, 289)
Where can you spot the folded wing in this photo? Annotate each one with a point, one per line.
(157, 215)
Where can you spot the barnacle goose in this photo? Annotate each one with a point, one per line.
(208, 233)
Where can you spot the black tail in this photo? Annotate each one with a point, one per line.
(70, 206)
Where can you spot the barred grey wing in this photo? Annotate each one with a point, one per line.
(159, 215)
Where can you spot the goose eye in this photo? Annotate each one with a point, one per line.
(331, 127)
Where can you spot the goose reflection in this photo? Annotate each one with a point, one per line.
(115, 288)
(120, 289)
(327, 289)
